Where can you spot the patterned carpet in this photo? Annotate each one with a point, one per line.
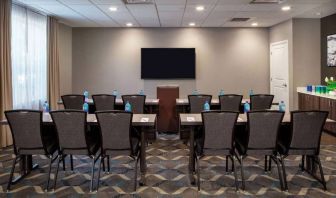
(167, 176)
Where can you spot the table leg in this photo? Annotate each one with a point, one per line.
(26, 166)
(191, 156)
(311, 165)
(143, 165)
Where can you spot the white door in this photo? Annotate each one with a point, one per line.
(279, 70)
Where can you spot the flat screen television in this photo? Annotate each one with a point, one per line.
(168, 63)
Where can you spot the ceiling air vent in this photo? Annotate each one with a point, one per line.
(239, 19)
(138, 1)
(267, 1)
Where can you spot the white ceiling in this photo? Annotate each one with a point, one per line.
(178, 13)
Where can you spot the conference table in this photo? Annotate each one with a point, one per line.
(139, 120)
(193, 120)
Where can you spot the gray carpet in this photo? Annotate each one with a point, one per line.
(167, 161)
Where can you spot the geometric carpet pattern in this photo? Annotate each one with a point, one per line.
(167, 176)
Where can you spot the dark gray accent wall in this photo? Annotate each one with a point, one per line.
(328, 27)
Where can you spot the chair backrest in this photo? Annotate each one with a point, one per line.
(115, 127)
(137, 102)
(104, 102)
(261, 101)
(71, 128)
(230, 102)
(218, 129)
(307, 128)
(73, 101)
(263, 127)
(196, 102)
(26, 128)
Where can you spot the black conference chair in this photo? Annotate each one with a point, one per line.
(73, 101)
(73, 138)
(136, 101)
(263, 127)
(104, 102)
(261, 102)
(218, 138)
(28, 138)
(306, 131)
(230, 102)
(196, 102)
(116, 129)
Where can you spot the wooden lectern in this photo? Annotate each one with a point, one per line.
(167, 120)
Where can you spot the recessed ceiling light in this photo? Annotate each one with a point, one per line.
(113, 9)
(129, 24)
(285, 8)
(318, 13)
(200, 8)
(192, 24)
(255, 24)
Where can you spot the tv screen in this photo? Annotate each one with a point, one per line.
(165, 63)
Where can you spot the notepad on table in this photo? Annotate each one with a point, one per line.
(144, 120)
(190, 119)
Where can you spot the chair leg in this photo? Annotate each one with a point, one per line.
(242, 172)
(50, 162)
(11, 174)
(135, 173)
(302, 163)
(227, 164)
(100, 164)
(63, 161)
(58, 161)
(71, 163)
(235, 172)
(284, 172)
(108, 164)
(104, 164)
(198, 173)
(92, 173)
(279, 172)
(270, 164)
(321, 172)
(265, 168)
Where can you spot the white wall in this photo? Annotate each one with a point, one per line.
(235, 59)
(65, 58)
(306, 53)
(304, 44)
(280, 32)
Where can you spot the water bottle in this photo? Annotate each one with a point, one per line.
(115, 93)
(221, 92)
(128, 107)
(86, 95)
(142, 92)
(206, 106)
(195, 92)
(282, 106)
(246, 107)
(46, 107)
(86, 107)
(251, 92)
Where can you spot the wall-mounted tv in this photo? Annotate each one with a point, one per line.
(168, 63)
(331, 39)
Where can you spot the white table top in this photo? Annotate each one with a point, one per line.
(120, 102)
(137, 120)
(190, 119)
(304, 91)
(214, 101)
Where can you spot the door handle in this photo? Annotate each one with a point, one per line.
(285, 85)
